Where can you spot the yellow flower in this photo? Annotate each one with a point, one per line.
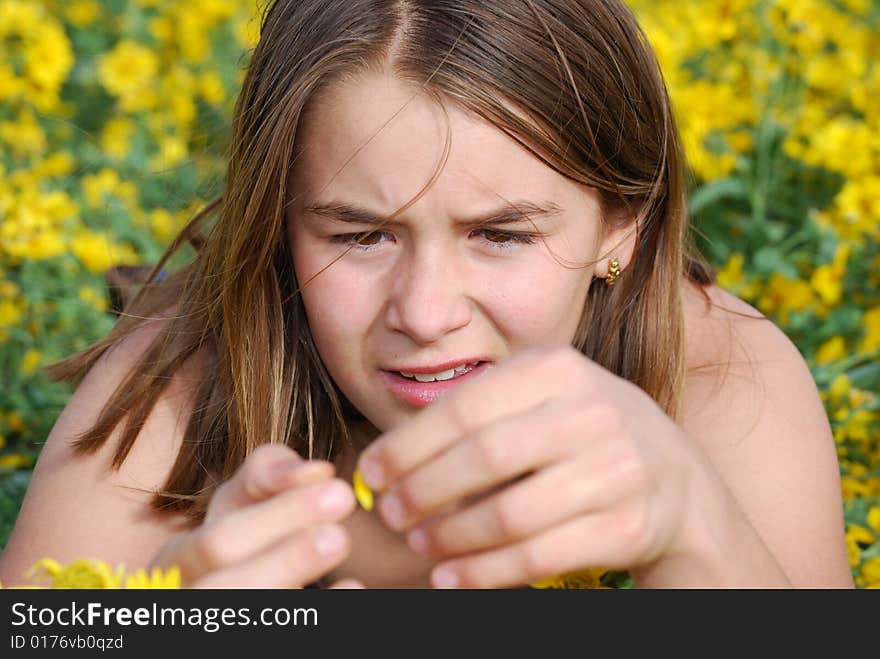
(826, 285)
(874, 518)
(16, 423)
(580, 580)
(97, 186)
(89, 573)
(832, 350)
(871, 571)
(129, 73)
(853, 552)
(164, 224)
(784, 295)
(871, 323)
(92, 297)
(83, 12)
(98, 253)
(24, 135)
(172, 151)
(840, 387)
(30, 361)
(16, 461)
(860, 534)
(853, 487)
(361, 492)
(38, 46)
(156, 579)
(83, 573)
(49, 59)
(827, 280)
(10, 313)
(211, 88)
(116, 136)
(58, 164)
(731, 275)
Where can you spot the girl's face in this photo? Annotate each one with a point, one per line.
(459, 278)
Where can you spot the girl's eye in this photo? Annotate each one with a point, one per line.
(363, 240)
(506, 239)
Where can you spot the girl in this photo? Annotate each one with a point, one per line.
(452, 251)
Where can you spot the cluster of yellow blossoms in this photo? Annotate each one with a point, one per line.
(84, 573)
(114, 116)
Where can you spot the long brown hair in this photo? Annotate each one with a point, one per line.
(573, 81)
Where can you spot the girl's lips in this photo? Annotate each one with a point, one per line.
(421, 394)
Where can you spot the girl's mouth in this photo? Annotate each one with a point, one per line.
(449, 374)
(421, 389)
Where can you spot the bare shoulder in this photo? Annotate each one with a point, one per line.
(751, 403)
(730, 346)
(77, 506)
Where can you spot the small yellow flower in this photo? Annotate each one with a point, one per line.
(156, 579)
(577, 580)
(874, 518)
(16, 423)
(30, 361)
(82, 573)
(853, 552)
(92, 297)
(832, 350)
(16, 461)
(871, 571)
(87, 573)
(860, 534)
(361, 492)
(83, 12)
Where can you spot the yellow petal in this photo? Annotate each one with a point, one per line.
(361, 492)
(577, 580)
(49, 565)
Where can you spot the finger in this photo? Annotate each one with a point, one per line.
(347, 584)
(248, 531)
(564, 490)
(291, 563)
(497, 453)
(584, 542)
(268, 470)
(497, 393)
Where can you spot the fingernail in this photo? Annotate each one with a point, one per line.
(417, 540)
(444, 577)
(329, 540)
(333, 498)
(392, 510)
(372, 473)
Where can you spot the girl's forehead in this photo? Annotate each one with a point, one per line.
(380, 137)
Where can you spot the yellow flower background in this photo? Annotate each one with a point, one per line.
(114, 117)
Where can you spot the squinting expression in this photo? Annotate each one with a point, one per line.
(455, 283)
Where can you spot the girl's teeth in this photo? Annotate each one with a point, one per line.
(442, 375)
(430, 377)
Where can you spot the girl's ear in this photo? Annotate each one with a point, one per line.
(619, 242)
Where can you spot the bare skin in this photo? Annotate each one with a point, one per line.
(54, 523)
(743, 490)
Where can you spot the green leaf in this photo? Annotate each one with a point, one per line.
(711, 193)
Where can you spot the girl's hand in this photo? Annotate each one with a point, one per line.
(546, 464)
(272, 525)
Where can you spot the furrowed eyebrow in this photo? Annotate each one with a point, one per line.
(515, 212)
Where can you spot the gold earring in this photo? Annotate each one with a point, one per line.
(613, 272)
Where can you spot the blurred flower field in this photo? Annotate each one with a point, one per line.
(114, 118)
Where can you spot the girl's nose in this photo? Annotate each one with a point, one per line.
(427, 298)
